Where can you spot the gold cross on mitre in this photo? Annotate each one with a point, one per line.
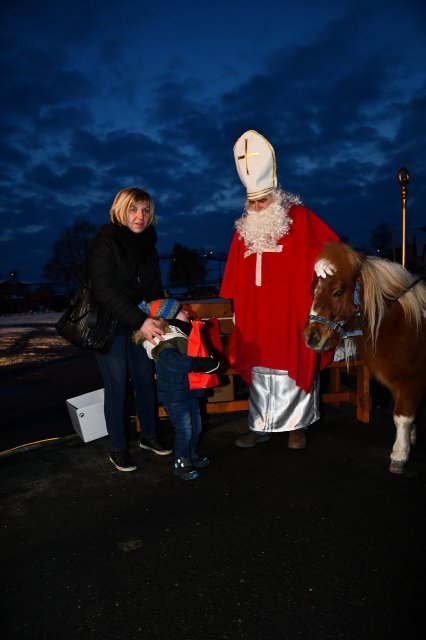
(247, 155)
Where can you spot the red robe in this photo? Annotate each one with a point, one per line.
(269, 318)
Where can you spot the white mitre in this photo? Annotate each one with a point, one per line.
(256, 166)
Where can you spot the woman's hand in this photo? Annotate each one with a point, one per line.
(150, 330)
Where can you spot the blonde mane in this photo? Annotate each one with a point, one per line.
(383, 283)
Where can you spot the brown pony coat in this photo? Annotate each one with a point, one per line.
(392, 316)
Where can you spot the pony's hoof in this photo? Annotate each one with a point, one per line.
(397, 466)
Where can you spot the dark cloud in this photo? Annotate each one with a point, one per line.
(35, 80)
(54, 119)
(98, 96)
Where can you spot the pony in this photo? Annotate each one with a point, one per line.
(376, 310)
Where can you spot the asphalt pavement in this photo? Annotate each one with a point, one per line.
(269, 543)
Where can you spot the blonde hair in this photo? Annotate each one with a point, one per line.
(125, 199)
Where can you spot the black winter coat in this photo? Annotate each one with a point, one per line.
(124, 269)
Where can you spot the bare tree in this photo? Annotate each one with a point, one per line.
(70, 253)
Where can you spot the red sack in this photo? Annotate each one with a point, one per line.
(196, 347)
(211, 337)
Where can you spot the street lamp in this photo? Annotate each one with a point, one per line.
(404, 177)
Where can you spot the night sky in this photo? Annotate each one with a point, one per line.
(100, 95)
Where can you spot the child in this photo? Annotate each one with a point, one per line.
(172, 365)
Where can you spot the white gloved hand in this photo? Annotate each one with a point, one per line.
(323, 268)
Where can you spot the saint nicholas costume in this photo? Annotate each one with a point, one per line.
(270, 286)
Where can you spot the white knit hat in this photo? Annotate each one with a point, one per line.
(256, 166)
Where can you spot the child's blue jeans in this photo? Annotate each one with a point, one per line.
(186, 419)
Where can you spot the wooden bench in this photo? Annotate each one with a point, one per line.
(357, 395)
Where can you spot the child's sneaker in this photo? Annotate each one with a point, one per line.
(183, 469)
(199, 461)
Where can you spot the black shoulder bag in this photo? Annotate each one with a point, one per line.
(86, 324)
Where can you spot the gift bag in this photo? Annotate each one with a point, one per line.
(196, 347)
(211, 337)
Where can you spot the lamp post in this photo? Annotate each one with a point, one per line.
(403, 177)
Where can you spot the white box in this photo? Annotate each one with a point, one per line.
(87, 415)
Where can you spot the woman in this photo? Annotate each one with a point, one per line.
(124, 270)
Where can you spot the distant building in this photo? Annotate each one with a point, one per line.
(15, 296)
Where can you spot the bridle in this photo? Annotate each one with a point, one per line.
(339, 325)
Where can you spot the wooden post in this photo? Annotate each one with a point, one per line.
(403, 177)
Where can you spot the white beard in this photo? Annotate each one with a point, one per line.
(261, 230)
